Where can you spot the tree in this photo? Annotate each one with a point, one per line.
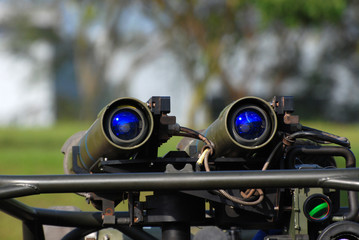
(239, 45)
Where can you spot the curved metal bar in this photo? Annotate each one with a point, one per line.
(179, 181)
(348, 155)
(350, 162)
(18, 210)
(18, 190)
(63, 218)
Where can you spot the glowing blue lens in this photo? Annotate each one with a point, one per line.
(250, 124)
(126, 124)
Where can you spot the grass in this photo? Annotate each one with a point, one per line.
(37, 151)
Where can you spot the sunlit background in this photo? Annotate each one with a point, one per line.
(62, 61)
(67, 59)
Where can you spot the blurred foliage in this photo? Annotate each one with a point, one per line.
(214, 30)
(24, 32)
(303, 12)
(204, 37)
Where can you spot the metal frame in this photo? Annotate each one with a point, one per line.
(34, 218)
(17, 186)
(12, 186)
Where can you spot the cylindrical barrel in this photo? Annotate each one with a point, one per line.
(121, 128)
(249, 123)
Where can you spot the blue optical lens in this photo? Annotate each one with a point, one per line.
(126, 124)
(250, 124)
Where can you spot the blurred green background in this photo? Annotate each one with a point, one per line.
(62, 61)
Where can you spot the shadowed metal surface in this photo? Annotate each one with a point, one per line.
(16, 186)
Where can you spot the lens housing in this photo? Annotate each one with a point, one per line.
(250, 125)
(232, 136)
(127, 126)
(317, 208)
(116, 139)
(345, 236)
(127, 123)
(343, 230)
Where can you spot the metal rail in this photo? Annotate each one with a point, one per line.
(17, 186)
